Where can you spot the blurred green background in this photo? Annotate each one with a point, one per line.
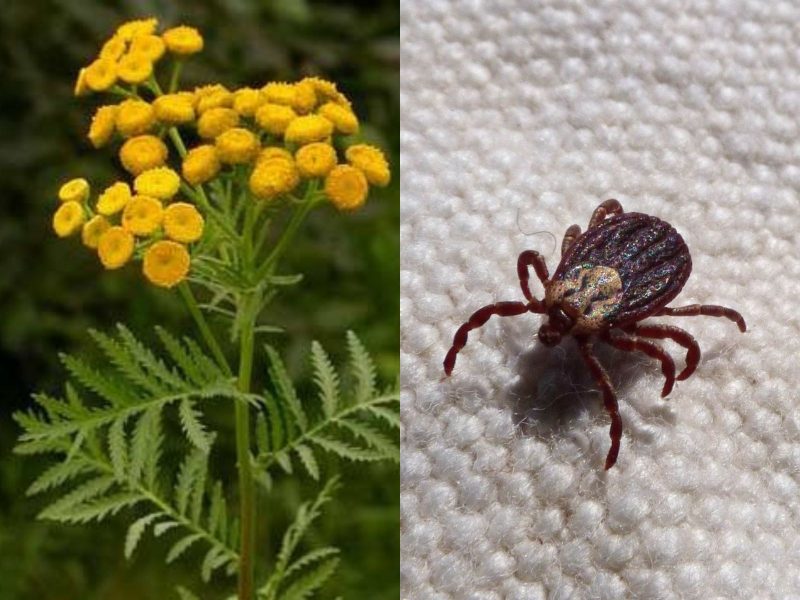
(51, 291)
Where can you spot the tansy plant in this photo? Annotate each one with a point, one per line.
(217, 215)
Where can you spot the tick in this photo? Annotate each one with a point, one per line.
(624, 268)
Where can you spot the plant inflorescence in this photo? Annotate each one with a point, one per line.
(220, 182)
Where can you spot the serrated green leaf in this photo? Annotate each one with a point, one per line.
(310, 581)
(182, 546)
(308, 460)
(118, 447)
(58, 474)
(326, 379)
(285, 388)
(362, 367)
(135, 532)
(192, 426)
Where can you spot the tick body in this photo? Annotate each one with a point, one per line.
(625, 268)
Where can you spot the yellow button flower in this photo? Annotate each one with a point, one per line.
(183, 40)
(273, 177)
(101, 74)
(183, 222)
(130, 29)
(343, 119)
(307, 129)
(115, 247)
(305, 97)
(246, 101)
(315, 160)
(93, 229)
(134, 68)
(216, 120)
(75, 190)
(200, 164)
(135, 117)
(237, 146)
(274, 118)
(274, 152)
(114, 48)
(68, 219)
(174, 109)
(103, 125)
(371, 161)
(212, 96)
(81, 87)
(346, 187)
(162, 183)
(327, 91)
(114, 198)
(166, 263)
(142, 215)
(141, 153)
(279, 93)
(148, 45)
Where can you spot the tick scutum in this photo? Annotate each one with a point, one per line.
(649, 256)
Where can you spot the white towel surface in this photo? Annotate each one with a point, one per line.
(520, 117)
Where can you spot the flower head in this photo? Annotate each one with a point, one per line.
(183, 40)
(101, 74)
(148, 45)
(273, 177)
(274, 118)
(200, 164)
(274, 152)
(166, 263)
(115, 247)
(212, 96)
(216, 120)
(162, 183)
(305, 97)
(326, 91)
(183, 222)
(103, 125)
(68, 219)
(93, 229)
(279, 93)
(81, 87)
(130, 29)
(315, 160)
(114, 198)
(237, 146)
(371, 161)
(114, 48)
(142, 215)
(307, 129)
(174, 109)
(246, 101)
(141, 153)
(134, 68)
(346, 187)
(342, 117)
(75, 190)
(135, 117)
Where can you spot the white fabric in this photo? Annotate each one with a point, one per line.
(520, 117)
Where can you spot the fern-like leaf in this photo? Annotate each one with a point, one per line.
(356, 424)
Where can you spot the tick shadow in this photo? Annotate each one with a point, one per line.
(555, 396)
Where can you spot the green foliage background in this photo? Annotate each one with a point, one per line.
(51, 291)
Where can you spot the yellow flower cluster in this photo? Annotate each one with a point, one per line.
(279, 137)
(120, 222)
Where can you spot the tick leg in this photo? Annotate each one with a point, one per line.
(609, 399)
(632, 344)
(478, 318)
(709, 310)
(531, 258)
(677, 335)
(572, 232)
(609, 208)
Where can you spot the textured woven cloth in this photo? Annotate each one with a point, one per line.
(519, 118)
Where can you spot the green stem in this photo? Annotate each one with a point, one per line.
(202, 324)
(247, 508)
(174, 77)
(288, 234)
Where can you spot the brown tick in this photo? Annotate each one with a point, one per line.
(625, 268)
